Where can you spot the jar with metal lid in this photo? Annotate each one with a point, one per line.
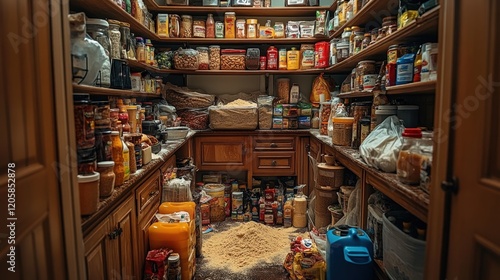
(352, 35)
(203, 60)
(252, 58)
(342, 51)
(174, 267)
(346, 34)
(363, 68)
(366, 41)
(103, 144)
(388, 21)
(229, 24)
(240, 28)
(199, 29)
(86, 159)
(115, 39)
(392, 54)
(186, 26)
(98, 29)
(107, 183)
(374, 35)
(333, 51)
(381, 33)
(252, 28)
(84, 121)
(214, 57)
(101, 114)
(219, 29)
(358, 41)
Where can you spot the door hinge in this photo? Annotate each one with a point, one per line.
(450, 185)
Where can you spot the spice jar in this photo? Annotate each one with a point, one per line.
(210, 27)
(203, 60)
(88, 187)
(229, 24)
(199, 29)
(107, 184)
(117, 155)
(252, 28)
(252, 58)
(84, 121)
(410, 159)
(342, 131)
(240, 28)
(115, 38)
(186, 26)
(214, 57)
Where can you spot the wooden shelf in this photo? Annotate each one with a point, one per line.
(108, 9)
(307, 11)
(422, 28)
(110, 92)
(411, 88)
(210, 41)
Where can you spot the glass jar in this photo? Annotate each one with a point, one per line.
(187, 26)
(315, 119)
(349, 14)
(125, 34)
(174, 266)
(241, 28)
(186, 59)
(140, 49)
(103, 144)
(374, 35)
(409, 159)
(131, 157)
(229, 24)
(148, 111)
(363, 68)
(148, 50)
(107, 181)
(214, 56)
(115, 39)
(86, 159)
(381, 33)
(426, 148)
(252, 58)
(336, 15)
(136, 140)
(210, 27)
(232, 59)
(366, 41)
(219, 29)
(84, 121)
(117, 155)
(203, 61)
(252, 28)
(123, 118)
(358, 41)
(346, 34)
(98, 29)
(199, 29)
(342, 8)
(101, 114)
(342, 51)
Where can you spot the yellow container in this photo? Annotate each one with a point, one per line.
(178, 237)
(229, 24)
(172, 207)
(293, 59)
(162, 25)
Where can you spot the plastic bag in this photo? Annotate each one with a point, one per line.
(196, 119)
(320, 86)
(184, 98)
(177, 190)
(381, 147)
(351, 217)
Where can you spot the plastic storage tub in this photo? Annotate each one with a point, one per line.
(374, 227)
(384, 111)
(408, 114)
(404, 256)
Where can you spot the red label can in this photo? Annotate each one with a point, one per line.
(390, 74)
(263, 63)
(272, 58)
(322, 54)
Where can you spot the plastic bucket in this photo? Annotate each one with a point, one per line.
(408, 114)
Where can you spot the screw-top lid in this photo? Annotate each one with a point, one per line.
(174, 257)
(105, 164)
(88, 178)
(97, 21)
(115, 132)
(139, 39)
(412, 132)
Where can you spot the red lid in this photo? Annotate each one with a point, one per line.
(413, 132)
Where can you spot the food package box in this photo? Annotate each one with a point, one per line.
(146, 155)
(233, 116)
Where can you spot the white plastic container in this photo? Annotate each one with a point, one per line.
(384, 111)
(408, 114)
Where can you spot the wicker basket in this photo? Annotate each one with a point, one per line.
(330, 175)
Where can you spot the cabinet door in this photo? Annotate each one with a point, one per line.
(125, 221)
(222, 153)
(148, 195)
(143, 238)
(98, 253)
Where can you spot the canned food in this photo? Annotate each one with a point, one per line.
(322, 53)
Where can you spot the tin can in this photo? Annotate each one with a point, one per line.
(322, 54)
(390, 74)
(263, 63)
(219, 29)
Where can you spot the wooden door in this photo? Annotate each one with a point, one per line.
(474, 239)
(124, 219)
(98, 253)
(223, 153)
(31, 188)
(143, 239)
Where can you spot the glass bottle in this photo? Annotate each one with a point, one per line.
(126, 161)
(136, 140)
(410, 159)
(115, 38)
(147, 51)
(130, 145)
(210, 27)
(315, 119)
(140, 49)
(117, 155)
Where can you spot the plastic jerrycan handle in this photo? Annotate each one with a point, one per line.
(357, 255)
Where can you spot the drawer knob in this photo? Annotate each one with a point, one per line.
(273, 145)
(152, 193)
(273, 163)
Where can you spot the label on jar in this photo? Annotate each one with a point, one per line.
(369, 81)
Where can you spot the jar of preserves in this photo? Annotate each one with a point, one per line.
(107, 183)
(252, 58)
(252, 28)
(186, 26)
(210, 27)
(410, 160)
(140, 49)
(272, 58)
(214, 57)
(240, 28)
(203, 61)
(358, 41)
(363, 68)
(115, 39)
(174, 26)
(352, 35)
(199, 29)
(366, 41)
(84, 121)
(117, 155)
(229, 24)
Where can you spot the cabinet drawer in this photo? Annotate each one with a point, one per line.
(273, 143)
(148, 195)
(277, 164)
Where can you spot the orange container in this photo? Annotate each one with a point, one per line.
(179, 238)
(172, 207)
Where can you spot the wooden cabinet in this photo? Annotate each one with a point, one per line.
(222, 153)
(276, 143)
(143, 238)
(273, 164)
(148, 195)
(110, 249)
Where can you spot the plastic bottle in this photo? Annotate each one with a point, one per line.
(117, 156)
(299, 208)
(210, 27)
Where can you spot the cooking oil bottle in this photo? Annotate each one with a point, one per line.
(299, 208)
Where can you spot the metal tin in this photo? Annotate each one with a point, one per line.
(322, 50)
